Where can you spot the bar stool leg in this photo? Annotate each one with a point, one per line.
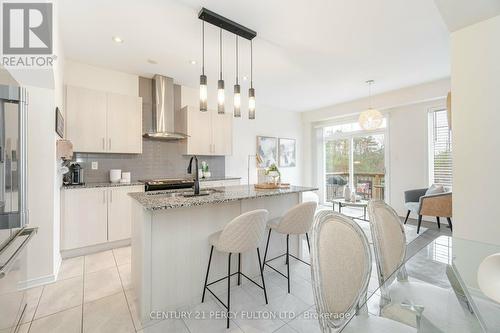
(206, 277)
(228, 287)
(288, 262)
(267, 245)
(262, 275)
(308, 245)
(239, 268)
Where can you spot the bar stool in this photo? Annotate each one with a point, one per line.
(296, 221)
(242, 234)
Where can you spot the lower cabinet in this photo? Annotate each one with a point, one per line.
(93, 216)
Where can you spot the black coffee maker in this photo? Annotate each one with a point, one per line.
(76, 174)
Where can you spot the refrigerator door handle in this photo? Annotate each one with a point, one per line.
(30, 232)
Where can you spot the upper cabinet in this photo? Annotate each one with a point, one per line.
(124, 120)
(209, 133)
(103, 122)
(86, 119)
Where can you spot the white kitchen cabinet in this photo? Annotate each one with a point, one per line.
(209, 132)
(119, 211)
(84, 217)
(86, 119)
(103, 122)
(124, 124)
(222, 134)
(92, 216)
(199, 130)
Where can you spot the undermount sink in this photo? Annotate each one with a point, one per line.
(202, 193)
(184, 194)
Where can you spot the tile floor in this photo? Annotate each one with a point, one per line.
(93, 293)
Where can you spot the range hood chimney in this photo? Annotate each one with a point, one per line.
(163, 111)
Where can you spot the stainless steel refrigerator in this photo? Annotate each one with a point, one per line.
(14, 231)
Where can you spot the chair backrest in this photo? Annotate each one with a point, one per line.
(341, 268)
(298, 219)
(244, 232)
(389, 239)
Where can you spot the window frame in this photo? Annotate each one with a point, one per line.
(430, 145)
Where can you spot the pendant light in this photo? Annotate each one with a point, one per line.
(370, 119)
(237, 96)
(220, 84)
(251, 91)
(203, 77)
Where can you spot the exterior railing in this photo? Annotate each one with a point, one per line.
(369, 185)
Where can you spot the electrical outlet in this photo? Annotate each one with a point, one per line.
(95, 165)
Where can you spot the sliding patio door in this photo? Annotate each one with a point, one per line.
(356, 158)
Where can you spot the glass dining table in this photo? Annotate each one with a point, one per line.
(448, 266)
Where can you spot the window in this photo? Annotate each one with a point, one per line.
(353, 157)
(440, 148)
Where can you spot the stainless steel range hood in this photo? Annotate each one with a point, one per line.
(163, 111)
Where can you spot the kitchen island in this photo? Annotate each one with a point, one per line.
(170, 246)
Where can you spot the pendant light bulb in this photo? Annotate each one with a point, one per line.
(251, 91)
(237, 101)
(203, 77)
(370, 119)
(251, 103)
(237, 89)
(203, 93)
(221, 98)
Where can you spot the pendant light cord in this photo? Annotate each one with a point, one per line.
(251, 64)
(203, 48)
(220, 52)
(236, 59)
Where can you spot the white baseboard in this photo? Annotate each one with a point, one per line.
(39, 281)
(82, 251)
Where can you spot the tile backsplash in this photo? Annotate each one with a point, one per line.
(159, 159)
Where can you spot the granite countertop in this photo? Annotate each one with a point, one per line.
(102, 184)
(159, 200)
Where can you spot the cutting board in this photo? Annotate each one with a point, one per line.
(271, 186)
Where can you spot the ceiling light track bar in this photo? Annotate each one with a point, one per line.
(226, 24)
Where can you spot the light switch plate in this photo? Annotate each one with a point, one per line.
(95, 165)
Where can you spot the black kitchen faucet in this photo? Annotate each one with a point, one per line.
(196, 175)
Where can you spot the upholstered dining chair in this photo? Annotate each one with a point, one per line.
(341, 264)
(398, 293)
(433, 201)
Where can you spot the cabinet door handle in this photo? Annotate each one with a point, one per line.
(104, 197)
(103, 143)
(111, 196)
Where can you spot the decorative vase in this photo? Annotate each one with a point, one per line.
(347, 193)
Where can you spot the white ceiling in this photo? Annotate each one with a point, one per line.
(307, 55)
(461, 13)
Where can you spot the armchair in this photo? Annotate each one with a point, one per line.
(420, 203)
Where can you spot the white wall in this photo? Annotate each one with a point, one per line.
(98, 78)
(475, 118)
(409, 150)
(267, 123)
(43, 250)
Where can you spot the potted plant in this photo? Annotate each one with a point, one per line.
(274, 173)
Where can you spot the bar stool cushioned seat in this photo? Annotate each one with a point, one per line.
(240, 235)
(296, 221)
